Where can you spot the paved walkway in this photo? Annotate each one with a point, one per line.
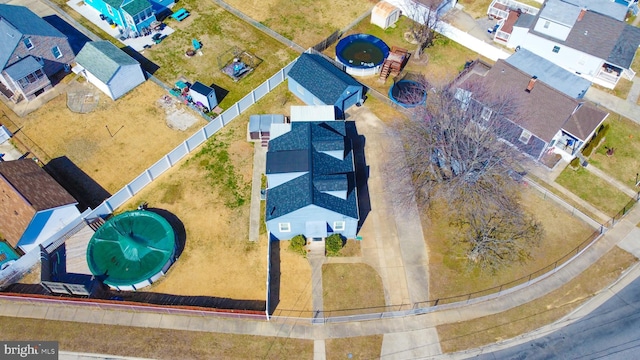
(613, 182)
(627, 108)
(259, 168)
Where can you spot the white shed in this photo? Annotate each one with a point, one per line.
(203, 94)
(108, 68)
(384, 14)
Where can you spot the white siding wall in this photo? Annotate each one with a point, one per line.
(573, 60)
(274, 180)
(125, 80)
(97, 83)
(554, 30)
(46, 223)
(517, 37)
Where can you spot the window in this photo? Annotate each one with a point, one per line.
(546, 24)
(486, 113)
(556, 49)
(109, 10)
(525, 136)
(464, 97)
(284, 227)
(27, 42)
(338, 226)
(300, 89)
(56, 52)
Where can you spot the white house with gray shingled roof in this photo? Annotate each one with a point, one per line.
(311, 182)
(108, 68)
(589, 42)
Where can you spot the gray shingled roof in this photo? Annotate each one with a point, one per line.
(549, 73)
(525, 21)
(321, 78)
(23, 68)
(16, 21)
(103, 59)
(625, 48)
(325, 172)
(35, 185)
(544, 110)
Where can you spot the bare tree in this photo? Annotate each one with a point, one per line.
(496, 231)
(426, 21)
(454, 153)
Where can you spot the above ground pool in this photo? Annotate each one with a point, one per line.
(408, 93)
(362, 54)
(132, 250)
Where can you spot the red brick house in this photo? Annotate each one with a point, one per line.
(33, 206)
(31, 51)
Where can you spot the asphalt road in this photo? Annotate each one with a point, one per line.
(612, 331)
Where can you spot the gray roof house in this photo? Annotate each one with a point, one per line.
(311, 182)
(109, 68)
(31, 51)
(316, 81)
(580, 39)
(548, 121)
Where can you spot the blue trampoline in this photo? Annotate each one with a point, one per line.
(408, 93)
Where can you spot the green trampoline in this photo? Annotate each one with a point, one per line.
(132, 250)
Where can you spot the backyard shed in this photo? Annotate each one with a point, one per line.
(203, 94)
(260, 125)
(316, 81)
(384, 14)
(108, 68)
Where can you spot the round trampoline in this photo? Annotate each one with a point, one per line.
(132, 250)
(408, 94)
(362, 54)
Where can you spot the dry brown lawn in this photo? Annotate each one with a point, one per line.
(218, 31)
(563, 233)
(141, 138)
(361, 347)
(210, 193)
(351, 286)
(153, 343)
(306, 22)
(539, 312)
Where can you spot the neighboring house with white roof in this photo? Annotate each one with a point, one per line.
(590, 42)
(31, 51)
(549, 73)
(108, 68)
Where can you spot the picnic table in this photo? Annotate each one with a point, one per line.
(180, 14)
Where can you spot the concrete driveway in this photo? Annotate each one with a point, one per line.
(393, 242)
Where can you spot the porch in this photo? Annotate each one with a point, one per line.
(565, 145)
(499, 9)
(608, 75)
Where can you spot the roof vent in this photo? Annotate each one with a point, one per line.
(531, 84)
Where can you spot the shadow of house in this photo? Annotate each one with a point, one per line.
(361, 170)
(81, 186)
(221, 93)
(274, 275)
(75, 37)
(146, 64)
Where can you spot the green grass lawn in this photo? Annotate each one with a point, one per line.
(351, 286)
(624, 137)
(593, 189)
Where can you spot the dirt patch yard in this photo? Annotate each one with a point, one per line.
(209, 192)
(112, 144)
